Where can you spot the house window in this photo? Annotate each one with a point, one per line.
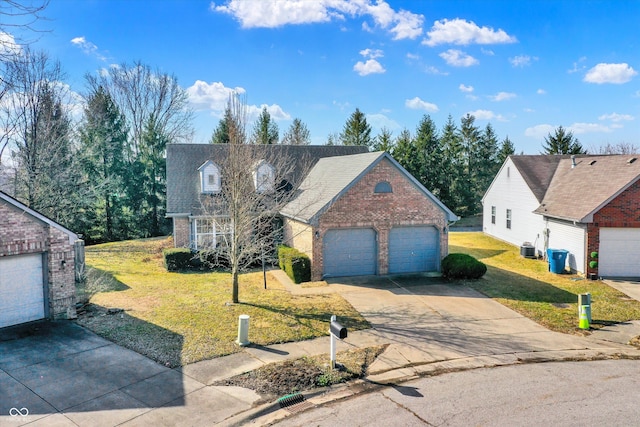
(493, 214)
(209, 233)
(509, 218)
(209, 177)
(383, 187)
(264, 176)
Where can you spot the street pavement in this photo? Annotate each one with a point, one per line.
(63, 375)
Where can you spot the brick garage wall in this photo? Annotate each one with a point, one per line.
(361, 207)
(623, 211)
(181, 232)
(21, 233)
(298, 235)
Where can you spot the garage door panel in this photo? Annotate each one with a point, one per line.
(21, 289)
(413, 249)
(349, 252)
(619, 252)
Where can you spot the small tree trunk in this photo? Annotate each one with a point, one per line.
(234, 275)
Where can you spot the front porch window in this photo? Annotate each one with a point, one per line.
(211, 232)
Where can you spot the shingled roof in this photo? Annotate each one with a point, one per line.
(576, 193)
(332, 177)
(183, 161)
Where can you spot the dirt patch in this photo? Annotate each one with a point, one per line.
(306, 373)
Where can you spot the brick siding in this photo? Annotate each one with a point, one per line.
(181, 232)
(21, 233)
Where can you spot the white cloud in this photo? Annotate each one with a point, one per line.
(370, 67)
(581, 128)
(413, 56)
(487, 115)
(87, 47)
(461, 32)
(522, 60)
(502, 96)
(539, 131)
(458, 58)
(487, 52)
(467, 89)
(430, 69)
(372, 53)
(576, 65)
(275, 111)
(541, 92)
(610, 73)
(615, 117)
(418, 104)
(380, 121)
(211, 96)
(8, 45)
(272, 14)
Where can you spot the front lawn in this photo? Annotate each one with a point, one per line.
(181, 318)
(526, 286)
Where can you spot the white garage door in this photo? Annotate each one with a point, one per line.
(21, 289)
(413, 249)
(349, 252)
(619, 254)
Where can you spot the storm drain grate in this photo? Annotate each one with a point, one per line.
(294, 403)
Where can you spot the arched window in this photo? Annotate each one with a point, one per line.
(264, 176)
(383, 187)
(209, 177)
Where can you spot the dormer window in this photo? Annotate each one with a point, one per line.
(383, 187)
(264, 176)
(209, 178)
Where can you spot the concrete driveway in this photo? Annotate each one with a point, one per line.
(59, 374)
(428, 320)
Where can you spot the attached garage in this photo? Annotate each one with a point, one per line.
(21, 289)
(619, 252)
(349, 252)
(413, 249)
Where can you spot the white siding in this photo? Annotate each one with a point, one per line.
(618, 255)
(510, 191)
(565, 235)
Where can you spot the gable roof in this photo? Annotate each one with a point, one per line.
(38, 216)
(577, 193)
(183, 161)
(331, 178)
(537, 171)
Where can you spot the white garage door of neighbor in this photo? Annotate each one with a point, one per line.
(619, 254)
(349, 252)
(21, 289)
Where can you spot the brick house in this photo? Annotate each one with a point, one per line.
(355, 212)
(37, 261)
(583, 204)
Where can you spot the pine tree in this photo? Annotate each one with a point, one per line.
(356, 130)
(429, 156)
(487, 163)
(562, 142)
(452, 165)
(506, 149)
(298, 134)
(469, 138)
(384, 141)
(221, 132)
(265, 130)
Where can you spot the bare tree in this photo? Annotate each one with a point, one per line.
(18, 16)
(619, 148)
(257, 181)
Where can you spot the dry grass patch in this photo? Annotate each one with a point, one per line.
(181, 318)
(526, 285)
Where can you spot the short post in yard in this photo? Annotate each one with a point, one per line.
(336, 330)
(243, 330)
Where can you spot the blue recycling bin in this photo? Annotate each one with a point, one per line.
(557, 259)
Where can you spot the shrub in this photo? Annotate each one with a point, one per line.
(593, 264)
(296, 264)
(212, 259)
(176, 259)
(462, 266)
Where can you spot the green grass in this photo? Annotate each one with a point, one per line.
(181, 318)
(526, 286)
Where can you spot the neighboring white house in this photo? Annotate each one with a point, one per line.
(582, 204)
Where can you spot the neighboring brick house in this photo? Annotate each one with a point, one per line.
(583, 204)
(355, 213)
(37, 277)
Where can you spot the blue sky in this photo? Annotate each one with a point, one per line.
(525, 66)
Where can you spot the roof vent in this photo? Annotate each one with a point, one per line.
(631, 160)
(573, 161)
(592, 162)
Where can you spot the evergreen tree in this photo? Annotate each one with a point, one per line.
(265, 130)
(562, 142)
(452, 165)
(506, 149)
(487, 163)
(356, 130)
(103, 137)
(333, 139)
(221, 132)
(429, 156)
(469, 138)
(384, 141)
(404, 151)
(298, 134)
